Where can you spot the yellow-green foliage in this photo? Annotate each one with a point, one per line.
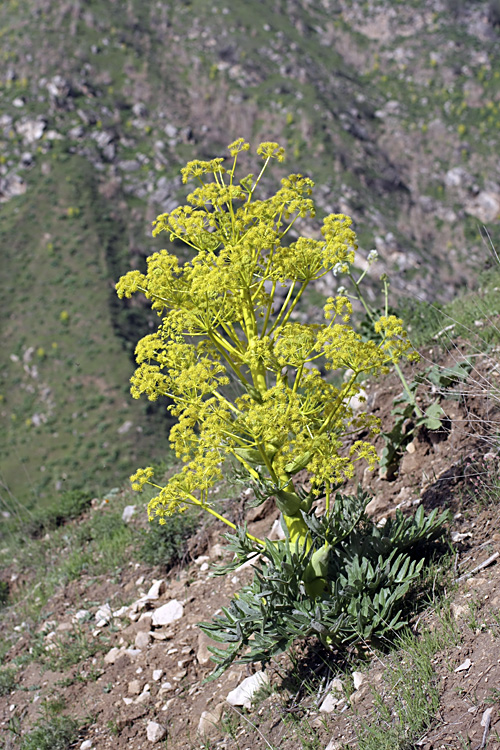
(221, 326)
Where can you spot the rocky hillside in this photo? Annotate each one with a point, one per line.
(393, 109)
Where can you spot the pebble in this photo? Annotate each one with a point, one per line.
(134, 687)
(128, 513)
(157, 674)
(155, 732)
(86, 745)
(209, 720)
(112, 655)
(243, 694)
(142, 639)
(168, 613)
(358, 679)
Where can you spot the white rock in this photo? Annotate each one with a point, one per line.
(155, 732)
(168, 613)
(112, 655)
(142, 639)
(86, 745)
(467, 664)
(333, 745)
(243, 694)
(120, 612)
(128, 512)
(328, 704)
(31, 130)
(134, 687)
(204, 567)
(485, 207)
(157, 588)
(358, 679)
(157, 674)
(125, 427)
(201, 559)
(277, 532)
(216, 551)
(210, 719)
(103, 614)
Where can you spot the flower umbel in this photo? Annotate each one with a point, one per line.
(227, 322)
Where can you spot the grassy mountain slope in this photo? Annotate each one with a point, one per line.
(393, 109)
(68, 417)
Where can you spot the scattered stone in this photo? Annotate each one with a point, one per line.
(134, 687)
(31, 130)
(467, 664)
(144, 696)
(86, 745)
(333, 745)
(201, 559)
(485, 206)
(379, 505)
(128, 512)
(166, 687)
(142, 639)
(358, 679)
(82, 614)
(209, 720)
(329, 704)
(243, 694)
(125, 427)
(216, 552)
(334, 697)
(11, 186)
(120, 612)
(112, 655)
(203, 654)
(168, 613)
(277, 533)
(157, 588)
(103, 615)
(155, 732)
(459, 610)
(157, 674)
(64, 627)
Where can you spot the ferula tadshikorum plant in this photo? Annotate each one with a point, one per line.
(228, 316)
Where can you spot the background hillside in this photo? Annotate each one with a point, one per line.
(393, 109)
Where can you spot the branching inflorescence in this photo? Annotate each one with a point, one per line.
(227, 316)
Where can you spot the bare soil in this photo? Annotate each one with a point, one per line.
(456, 468)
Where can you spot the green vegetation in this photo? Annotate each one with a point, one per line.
(7, 680)
(51, 732)
(63, 371)
(167, 545)
(372, 570)
(410, 699)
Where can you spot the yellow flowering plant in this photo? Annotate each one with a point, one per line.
(244, 376)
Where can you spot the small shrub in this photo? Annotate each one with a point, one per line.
(70, 504)
(167, 545)
(51, 733)
(7, 680)
(4, 593)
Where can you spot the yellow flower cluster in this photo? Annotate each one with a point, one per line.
(223, 324)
